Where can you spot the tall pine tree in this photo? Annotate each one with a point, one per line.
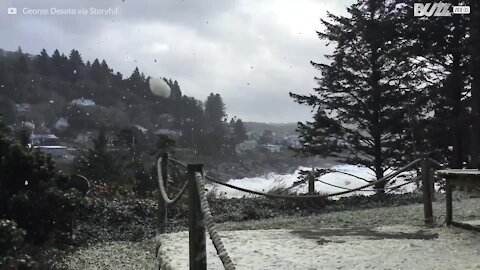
(366, 92)
(216, 133)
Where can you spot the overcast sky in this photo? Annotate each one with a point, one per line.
(252, 52)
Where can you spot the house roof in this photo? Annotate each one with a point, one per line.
(142, 129)
(164, 131)
(23, 107)
(62, 122)
(50, 147)
(83, 102)
(43, 136)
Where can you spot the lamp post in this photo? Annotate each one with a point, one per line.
(160, 88)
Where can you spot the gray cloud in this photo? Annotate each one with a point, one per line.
(251, 52)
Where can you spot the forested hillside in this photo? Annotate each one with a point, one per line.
(39, 90)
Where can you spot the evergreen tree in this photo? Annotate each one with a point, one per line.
(239, 131)
(444, 61)
(98, 163)
(176, 93)
(7, 110)
(215, 109)
(105, 70)
(61, 65)
(366, 93)
(164, 144)
(76, 65)
(138, 86)
(76, 59)
(266, 138)
(23, 136)
(216, 127)
(20, 65)
(475, 72)
(57, 59)
(43, 64)
(5, 78)
(31, 191)
(96, 72)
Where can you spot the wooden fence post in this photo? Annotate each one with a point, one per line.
(196, 224)
(431, 176)
(311, 182)
(427, 193)
(162, 205)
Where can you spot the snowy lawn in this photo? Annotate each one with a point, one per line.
(344, 242)
(397, 247)
(380, 238)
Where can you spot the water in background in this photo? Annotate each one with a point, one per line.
(273, 180)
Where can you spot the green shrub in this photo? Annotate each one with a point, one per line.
(30, 191)
(11, 238)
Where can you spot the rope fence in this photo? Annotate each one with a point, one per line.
(278, 196)
(211, 228)
(200, 216)
(161, 184)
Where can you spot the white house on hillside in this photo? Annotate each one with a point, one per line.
(83, 102)
(23, 108)
(50, 144)
(248, 145)
(273, 148)
(168, 132)
(142, 129)
(62, 123)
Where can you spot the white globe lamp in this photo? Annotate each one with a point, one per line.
(159, 87)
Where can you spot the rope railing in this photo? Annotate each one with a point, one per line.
(340, 187)
(200, 217)
(371, 183)
(278, 196)
(161, 185)
(177, 162)
(436, 163)
(387, 189)
(210, 225)
(416, 179)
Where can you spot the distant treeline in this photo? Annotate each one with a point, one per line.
(50, 82)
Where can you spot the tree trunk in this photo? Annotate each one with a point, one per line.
(456, 89)
(475, 71)
(376, 106)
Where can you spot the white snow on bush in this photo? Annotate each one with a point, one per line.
(273, 180)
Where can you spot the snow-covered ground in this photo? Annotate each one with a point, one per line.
(272, 180)
(398, 247)
(453, 249)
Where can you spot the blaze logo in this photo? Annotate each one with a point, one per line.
(431, 9)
